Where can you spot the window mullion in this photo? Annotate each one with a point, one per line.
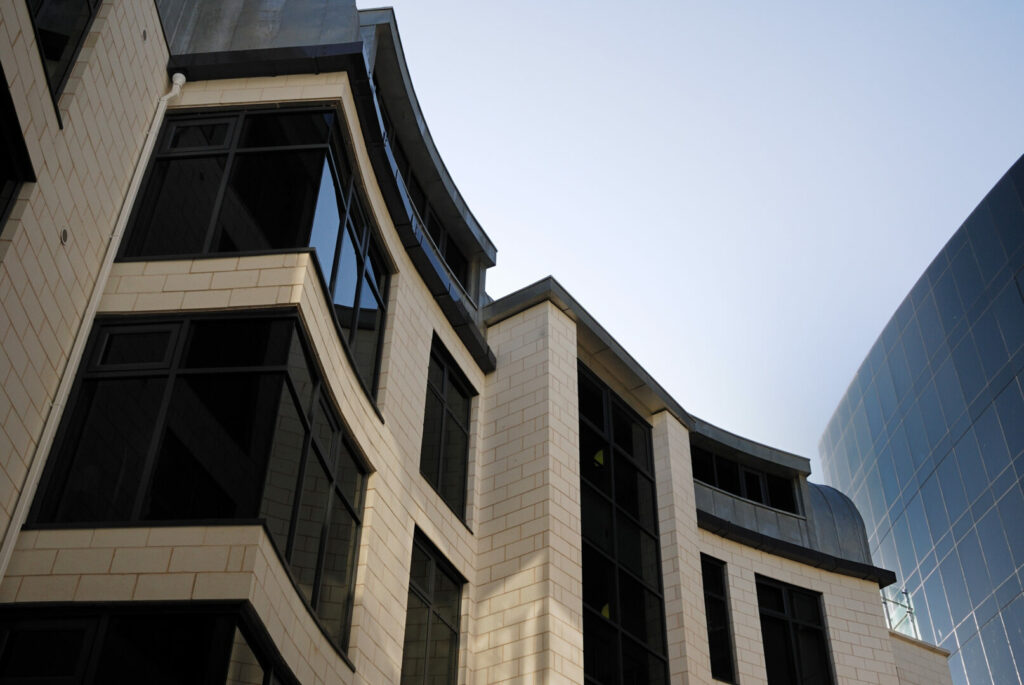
(155, 439)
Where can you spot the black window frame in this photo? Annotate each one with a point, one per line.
(793, 624)
(451, 376)
(13, 151)
(437, 563)
(373, 264)
(454, 257)
(746, 475)
(725, 657)
(56, 85)
(615, 412)
(317, 403)
(94, 620)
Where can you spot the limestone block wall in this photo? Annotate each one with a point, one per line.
(528, 593)
(919, 663)
(83, 171)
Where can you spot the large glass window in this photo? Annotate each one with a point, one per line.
(268, 180)
(716, 606)
(130, 644)
(743, 481)
(624, 639)
(431, 652)
(793, 630)
(213, 420)
(61, 26)
(444, 455)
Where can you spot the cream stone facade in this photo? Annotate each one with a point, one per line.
(514, 546)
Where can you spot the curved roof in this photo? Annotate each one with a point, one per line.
(836, 524)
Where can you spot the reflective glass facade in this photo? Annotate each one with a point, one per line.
(929, 442)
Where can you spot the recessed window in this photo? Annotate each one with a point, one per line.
(15, 164)
(126, 644)
(444, 454)
(263, 181)
(624, 638)
(61, 26)
(431, 651)
(213, 420)
(740, 480)
(716, 607)
(793, 630)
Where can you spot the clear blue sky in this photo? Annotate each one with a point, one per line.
(741, 192)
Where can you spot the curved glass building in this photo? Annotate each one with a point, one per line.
(929, 442)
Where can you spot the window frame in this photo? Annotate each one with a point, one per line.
(451, 375)
(94, 619)
(710, 596)
(438, 564)
(744, 471)
(611, 406)
(793, 622)
(350, 192)
(56, 86)
(179, 326)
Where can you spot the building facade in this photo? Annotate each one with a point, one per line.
(261, 422)
(929, 441)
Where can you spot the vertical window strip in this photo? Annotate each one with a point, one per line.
(716, 607)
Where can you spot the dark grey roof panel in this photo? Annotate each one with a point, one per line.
(838, 526)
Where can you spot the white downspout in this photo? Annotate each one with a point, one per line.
(28, 488)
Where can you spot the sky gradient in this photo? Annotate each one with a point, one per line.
(740, 192)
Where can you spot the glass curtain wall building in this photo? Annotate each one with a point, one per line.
(929, 442)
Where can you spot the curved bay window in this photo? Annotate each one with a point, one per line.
(624, 639)
(258, 181)
(212, 420)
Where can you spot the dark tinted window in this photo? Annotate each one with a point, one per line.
(716, 606)
(444, 451)
(793, 631)
(431, 647)
(623, 605)
(218, 428)
(753, 484)
(15, 164)
(258, 181)
(60, 25)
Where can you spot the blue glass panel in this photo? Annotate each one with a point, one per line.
(947, 299)
(1008, 309)
(918, 526)
(1013, 622)
(887, 474)
(968, 368)
(967, 275)
(938, 608)
(917, 438)
(860, 427)
(931, 414)
(902, 462)
(948, 477)
(934, 508)
(979, 585)
(1010, 408)
(913, 349)
(873, 413)
(994, 547)
(886, 393)
(956, 590)
(991, 443)
(931, 327)
(947, 386)
(1011, 511)
(989, 341)
(974, 661)
(997, 652)
(922, 614)
(956, 668)
(904, 548)
(988, 249)
(900, 373)
(968, 459)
